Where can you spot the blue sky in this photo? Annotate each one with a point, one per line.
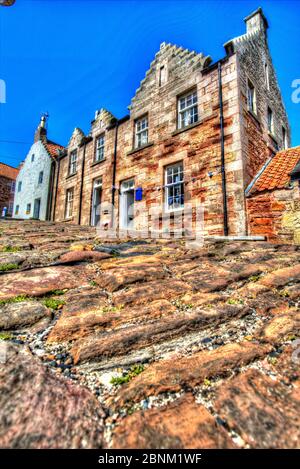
(71, 57)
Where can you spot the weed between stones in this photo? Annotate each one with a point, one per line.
(8, 266)
(134, 371)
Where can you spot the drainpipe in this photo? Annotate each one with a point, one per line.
(113, 189)
(56, 186)
(50, 191)
(81, 181)
(224, 188)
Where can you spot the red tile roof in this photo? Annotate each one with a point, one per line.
(53, 148)
(8, 171)
(277, 174)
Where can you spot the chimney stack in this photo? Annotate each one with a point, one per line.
(256, 22)
(41, 131)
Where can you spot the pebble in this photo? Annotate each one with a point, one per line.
(206, 340)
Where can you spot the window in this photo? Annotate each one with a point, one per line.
(187, 109)
(69, 202)
(174, 188)
(162, 75)
(100, 148)
(32, 158)
(17, 210)
(28, 209)
(267, 78)
(284, 138)
(270, 121)
(10, 208)
(73, 162)
(251, 98)
(141, 132)
(19, 186)
(41, 175)
(12, 186)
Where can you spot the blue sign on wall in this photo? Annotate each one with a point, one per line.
(138, 194)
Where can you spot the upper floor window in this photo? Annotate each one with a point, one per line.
(174, 187)
(41, 175)
(69, 202)
(267, 77)
(187, 109)
(32, 158)
(19, 186)
(162, 75)
(270, 121)
(73, 162)
(252, 98)
(12, 186)
(17, 210)
(141, 132)
(284, 138)
(100, 148)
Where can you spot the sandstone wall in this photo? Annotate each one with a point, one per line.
(6, 195)
(254, 59)
(276, 214)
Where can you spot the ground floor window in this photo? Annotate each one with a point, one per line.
(69, 202)
(17, 210)
(28, 209)
(10, 207)
(174, 187)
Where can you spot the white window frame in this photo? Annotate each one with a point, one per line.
(174, 180)
(13, 187)
(187, 109)
(73, 162)
(69, 202)
(267, 76)
(270, 122)
(251, 97)
(41, 177)
(162, 75)
(100, 145)
(141, 132)
(284, 138)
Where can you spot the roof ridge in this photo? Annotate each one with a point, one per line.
(10, 166)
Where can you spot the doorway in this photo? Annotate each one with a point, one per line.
(36, 209)
(127, 205)
(96, 201)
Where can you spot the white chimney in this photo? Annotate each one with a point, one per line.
(256, 22)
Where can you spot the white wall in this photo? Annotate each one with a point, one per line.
(31, 189)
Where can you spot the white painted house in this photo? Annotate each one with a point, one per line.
(35, 179)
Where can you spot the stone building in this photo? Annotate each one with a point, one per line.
(34, 184)
(273, 198)
(197, 134)
(8, 176)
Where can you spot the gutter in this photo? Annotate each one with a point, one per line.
(113, 189)
(56, 187)
(255, 179)
(85, 141)
(223, 171)
(50, 191)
